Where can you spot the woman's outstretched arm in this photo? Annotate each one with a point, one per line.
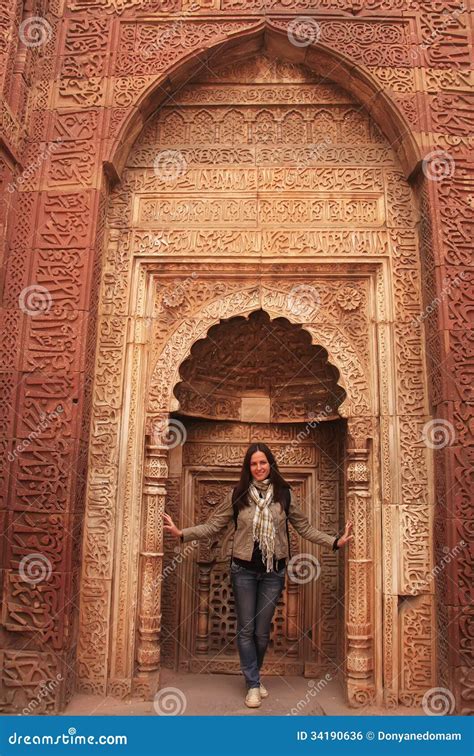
(303, 526)
(220, 517)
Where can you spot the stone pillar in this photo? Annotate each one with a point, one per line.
(204, 591)
(292, 632)
(146, 680)
(360, 637)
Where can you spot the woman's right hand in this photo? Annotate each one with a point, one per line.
(170, 526)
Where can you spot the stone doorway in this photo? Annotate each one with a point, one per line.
(198, 626)
(247, 381)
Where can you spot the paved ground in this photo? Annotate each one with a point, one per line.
(224, 695)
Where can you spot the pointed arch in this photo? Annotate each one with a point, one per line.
(267, 35)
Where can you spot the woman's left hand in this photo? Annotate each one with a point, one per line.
(346, 536)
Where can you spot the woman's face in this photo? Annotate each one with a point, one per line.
(259, 466)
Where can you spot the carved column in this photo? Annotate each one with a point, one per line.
(146, 680)
(292, 632)
(204, 591)
(360, 632)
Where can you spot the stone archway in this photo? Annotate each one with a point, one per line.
(276, 302)
(253, 379)
(184, 61)
(360, 630)
(153, 310)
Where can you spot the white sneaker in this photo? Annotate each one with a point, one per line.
(263, 691)
(253, 699)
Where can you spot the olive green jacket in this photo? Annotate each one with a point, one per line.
(243, 537)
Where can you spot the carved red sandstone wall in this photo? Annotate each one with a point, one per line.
(71, 107)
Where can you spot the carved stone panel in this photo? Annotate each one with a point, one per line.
(151, 197)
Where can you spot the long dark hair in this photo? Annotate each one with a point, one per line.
(240, 492)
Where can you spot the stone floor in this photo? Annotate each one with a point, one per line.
(223, 695)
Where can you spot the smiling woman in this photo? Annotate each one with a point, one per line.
(261, 504)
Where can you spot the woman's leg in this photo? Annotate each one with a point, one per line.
(270, 587)
(244, 584)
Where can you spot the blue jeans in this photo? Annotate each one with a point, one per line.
(256, 595)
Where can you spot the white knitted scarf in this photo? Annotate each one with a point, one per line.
(263, 526)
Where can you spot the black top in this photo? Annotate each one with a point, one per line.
(256, 563)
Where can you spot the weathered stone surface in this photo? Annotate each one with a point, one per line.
(171, 170)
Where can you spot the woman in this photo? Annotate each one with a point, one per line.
(260, 505)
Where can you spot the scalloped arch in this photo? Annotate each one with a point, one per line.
(164, 375)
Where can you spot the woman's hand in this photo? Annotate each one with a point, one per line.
(171, 527)
(346, 536)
